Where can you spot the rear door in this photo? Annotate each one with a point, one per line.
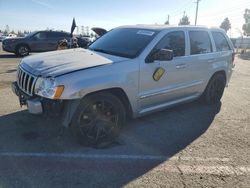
(224, 51)
(53, 40)
(200, 57)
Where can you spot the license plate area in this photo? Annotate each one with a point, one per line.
(23, 97)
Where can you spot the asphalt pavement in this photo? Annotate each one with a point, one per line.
(191, 145)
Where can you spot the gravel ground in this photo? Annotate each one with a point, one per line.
(191, 145)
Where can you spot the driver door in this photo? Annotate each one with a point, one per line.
(174, 84)
(39, 42)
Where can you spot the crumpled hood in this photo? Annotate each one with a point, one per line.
(65, 61)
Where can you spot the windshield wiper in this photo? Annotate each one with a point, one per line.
(110, 52)
(101, 50)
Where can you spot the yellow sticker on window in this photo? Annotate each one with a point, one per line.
(158, 73)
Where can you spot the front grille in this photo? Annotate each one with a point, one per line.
(25, 81)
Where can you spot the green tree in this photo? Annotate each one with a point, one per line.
(226, 25)
(246, 26)
(184, 20)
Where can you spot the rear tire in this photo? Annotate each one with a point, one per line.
(214, 90)
(98, 120)
(22, 50)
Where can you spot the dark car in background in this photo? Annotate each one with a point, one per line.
(83, 41)
(38, 41)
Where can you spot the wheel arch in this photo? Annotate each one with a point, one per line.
(20, 44)
(121, 95)
(72, 105)
(221, 72)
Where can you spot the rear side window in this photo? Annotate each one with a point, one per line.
(200, 42)
(52, 35)
(173, 41)
(57, 35)
(63, 35)
(220, 42)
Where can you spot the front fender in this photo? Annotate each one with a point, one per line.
(81, 83)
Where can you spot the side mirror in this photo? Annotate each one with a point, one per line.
(164, 55)
(34, 38)
(160, 55)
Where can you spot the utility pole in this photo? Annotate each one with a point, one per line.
(197, 8)
(167, 22)
(82, 32)
(77, 30)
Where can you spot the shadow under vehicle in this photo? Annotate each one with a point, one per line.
(160, 135)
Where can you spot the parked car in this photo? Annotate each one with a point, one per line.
(2, 37)
(83, 41)
(99, 31)
(39, 41)
(10, 36)
(149, 68)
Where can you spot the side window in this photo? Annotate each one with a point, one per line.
(63, 35)
(200, 42)
(220, 42)
(174, 41)
(41, 36)
(52, 35)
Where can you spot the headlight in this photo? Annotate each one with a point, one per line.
(48, 88)
(8, 41)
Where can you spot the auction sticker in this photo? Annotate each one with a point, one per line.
(145, 32)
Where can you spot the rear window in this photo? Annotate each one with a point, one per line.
(220, 42)
(200, 42)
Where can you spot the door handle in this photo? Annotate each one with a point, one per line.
(181, 66)
(211, 60)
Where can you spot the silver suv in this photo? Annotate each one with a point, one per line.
(128, 72)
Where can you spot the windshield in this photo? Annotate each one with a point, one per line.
(124, 42)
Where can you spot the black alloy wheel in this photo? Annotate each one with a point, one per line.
(215, 89)
(22, 50)
(98, 120)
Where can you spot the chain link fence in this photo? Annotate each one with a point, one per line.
(242, 45)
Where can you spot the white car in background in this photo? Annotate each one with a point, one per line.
(10, 36)
(2, 37)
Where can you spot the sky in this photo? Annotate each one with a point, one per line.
(58, 14)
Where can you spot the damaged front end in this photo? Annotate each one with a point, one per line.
(38, 105)
(29, 92)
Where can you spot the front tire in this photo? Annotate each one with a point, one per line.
(215, 89)
(98, 120)
(22, 50)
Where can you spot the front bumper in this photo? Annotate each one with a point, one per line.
(7, 48)
(34, 104)
(38, 105)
